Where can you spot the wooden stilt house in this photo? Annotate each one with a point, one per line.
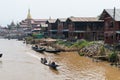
(111, 25)
(89, 28)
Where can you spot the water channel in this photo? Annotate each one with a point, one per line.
(20, 62)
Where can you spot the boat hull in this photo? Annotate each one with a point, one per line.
(52, 51)
(41, 49)
(49, 64)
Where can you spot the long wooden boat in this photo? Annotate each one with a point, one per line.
(51, 65)
(52, 51)
(40, 49)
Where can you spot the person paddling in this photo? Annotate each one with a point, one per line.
(45, 60)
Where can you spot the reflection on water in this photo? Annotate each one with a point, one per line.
(20, 62)
(54, 71)
(0, 64)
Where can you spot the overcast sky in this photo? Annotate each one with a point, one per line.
(16, 10)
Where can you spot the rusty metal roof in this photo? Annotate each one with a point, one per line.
(111, 12)
(84, 19)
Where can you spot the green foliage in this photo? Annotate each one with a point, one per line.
(113, 57)
(102, 50)
(60, 42)
(38, 36)
(81, 54)
(90, 43)
(66, 43)
(80, 44)
(34, 35)
(29, 39)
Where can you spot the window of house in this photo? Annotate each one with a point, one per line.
(119, 25)
(106, 37)
(111, 37)
(106, 24)
(111, 24)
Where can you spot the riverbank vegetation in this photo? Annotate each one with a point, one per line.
(94, 49)
(32, 40)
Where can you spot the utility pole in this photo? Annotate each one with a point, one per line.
(114, 33)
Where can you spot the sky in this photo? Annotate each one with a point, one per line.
(16, 10)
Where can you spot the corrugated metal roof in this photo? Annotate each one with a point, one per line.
(39, 20)
(111, 12)
(51, 20)
(84, 19)
(62, 19)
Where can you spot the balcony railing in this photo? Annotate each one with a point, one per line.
(53, 30)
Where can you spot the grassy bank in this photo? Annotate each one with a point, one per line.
(95, 49)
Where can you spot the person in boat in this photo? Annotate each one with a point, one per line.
(36, 46)
(45, 60)
(41, 59)
(53, 63)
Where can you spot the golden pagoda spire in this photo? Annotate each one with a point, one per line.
(29, 15)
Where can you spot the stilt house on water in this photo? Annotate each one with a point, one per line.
(111, 25)
(89, 28)
(52, 27)
(62, 29)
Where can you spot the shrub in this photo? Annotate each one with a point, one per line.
(81, 54)
(80, 44)
(66, 43)
(113, 57)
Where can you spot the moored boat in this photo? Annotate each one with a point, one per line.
(38, 49)
(52, 50)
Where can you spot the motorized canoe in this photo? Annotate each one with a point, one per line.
(51, 65)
